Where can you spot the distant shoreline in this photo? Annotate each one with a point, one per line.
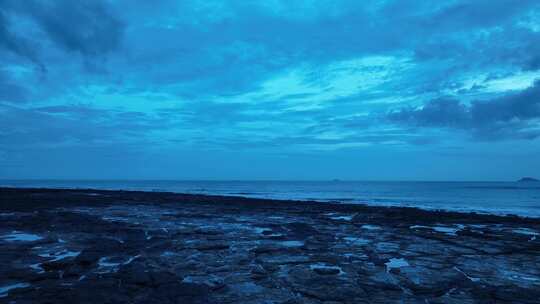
(260, 180)
(25, 198)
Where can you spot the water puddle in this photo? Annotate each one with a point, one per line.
(347, 218)
(4, 290)
(111, 264)
(17, 236)
(292, 243)
(57, 256)
(396, 263)
(37, 267)
(371, 227)
(441, 229)
(356, 240)
(525, 231)
(325, 267)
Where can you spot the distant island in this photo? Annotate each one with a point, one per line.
(528, 179)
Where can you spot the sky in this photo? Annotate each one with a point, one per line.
(277, 89)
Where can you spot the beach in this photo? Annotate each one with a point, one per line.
(99, 246)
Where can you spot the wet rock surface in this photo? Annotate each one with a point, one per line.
(67, 246)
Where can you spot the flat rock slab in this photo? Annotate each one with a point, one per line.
(66, 246)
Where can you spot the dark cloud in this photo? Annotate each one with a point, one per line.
(87, 27)
(437, 113)
(513, 116)
(13, 43)
(479, 13)
(235, 54)
(170, 59)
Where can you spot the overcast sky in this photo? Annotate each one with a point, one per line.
(282, 89)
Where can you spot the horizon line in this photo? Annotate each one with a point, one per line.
(250, 180)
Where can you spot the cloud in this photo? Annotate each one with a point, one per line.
(468, 39)
(74, 125)
(436, 113)
(463, 15)
(11, 91)
(513, 116)
(86, 27)
(15, 44)
(280, 75)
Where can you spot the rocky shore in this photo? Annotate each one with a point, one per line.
(92, 246)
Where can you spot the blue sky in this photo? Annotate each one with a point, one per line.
(378, 90)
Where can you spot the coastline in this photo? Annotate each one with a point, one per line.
(108, 196)
(77, 245)
(499, 198)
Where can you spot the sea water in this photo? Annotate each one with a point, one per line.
(519, 198)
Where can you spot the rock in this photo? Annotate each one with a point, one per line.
(302, 230)
(216, 284)
(159, 278)
(15, 274)
(211, 246)
(387, 247)
(266, 249)
(528, 180)
(106, 246)
(221, 269)
(258, 269)
(269, 267)
(491, 259)
(207, 231)
(57, 265)
(324, 287)
(75, 271)
(327, 270)
(88, 257)
(180, 293)
(258, 272)
(160, 245)
(139, 277)
(511, 294)
(426, 281)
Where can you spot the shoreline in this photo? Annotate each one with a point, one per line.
(201, 198)
(96, 246)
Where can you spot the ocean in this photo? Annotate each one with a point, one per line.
(518, 198)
